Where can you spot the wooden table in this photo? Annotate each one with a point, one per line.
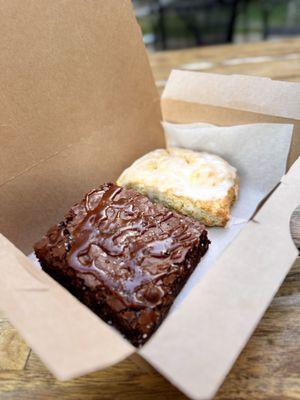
(269, 366)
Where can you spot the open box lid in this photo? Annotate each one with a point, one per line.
(78, 103)
(76, 92)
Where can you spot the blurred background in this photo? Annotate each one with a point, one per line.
(176, 24)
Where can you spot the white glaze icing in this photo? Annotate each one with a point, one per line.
(187, 173)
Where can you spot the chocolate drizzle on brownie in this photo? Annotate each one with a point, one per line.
(123, 256)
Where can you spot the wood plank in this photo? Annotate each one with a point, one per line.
(269, 366)
(13, 350)
(277, 60)
(295, 226)
(124, 381)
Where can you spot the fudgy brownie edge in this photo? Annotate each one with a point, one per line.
(124, 257)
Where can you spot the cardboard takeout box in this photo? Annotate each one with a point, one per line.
(78, 104)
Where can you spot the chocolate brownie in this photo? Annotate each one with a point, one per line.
(123, 256)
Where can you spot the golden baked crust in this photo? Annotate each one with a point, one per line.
(200, 185)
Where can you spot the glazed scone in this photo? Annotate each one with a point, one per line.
(201, 185)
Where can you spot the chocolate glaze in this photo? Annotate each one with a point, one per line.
(123, 256)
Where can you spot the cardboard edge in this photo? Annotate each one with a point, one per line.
(224, 91)
(213, 301)
(32, 301)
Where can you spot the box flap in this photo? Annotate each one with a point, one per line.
(224, 308)
(77, 105)
(67, 336)
(227, 100)
(240, 92)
